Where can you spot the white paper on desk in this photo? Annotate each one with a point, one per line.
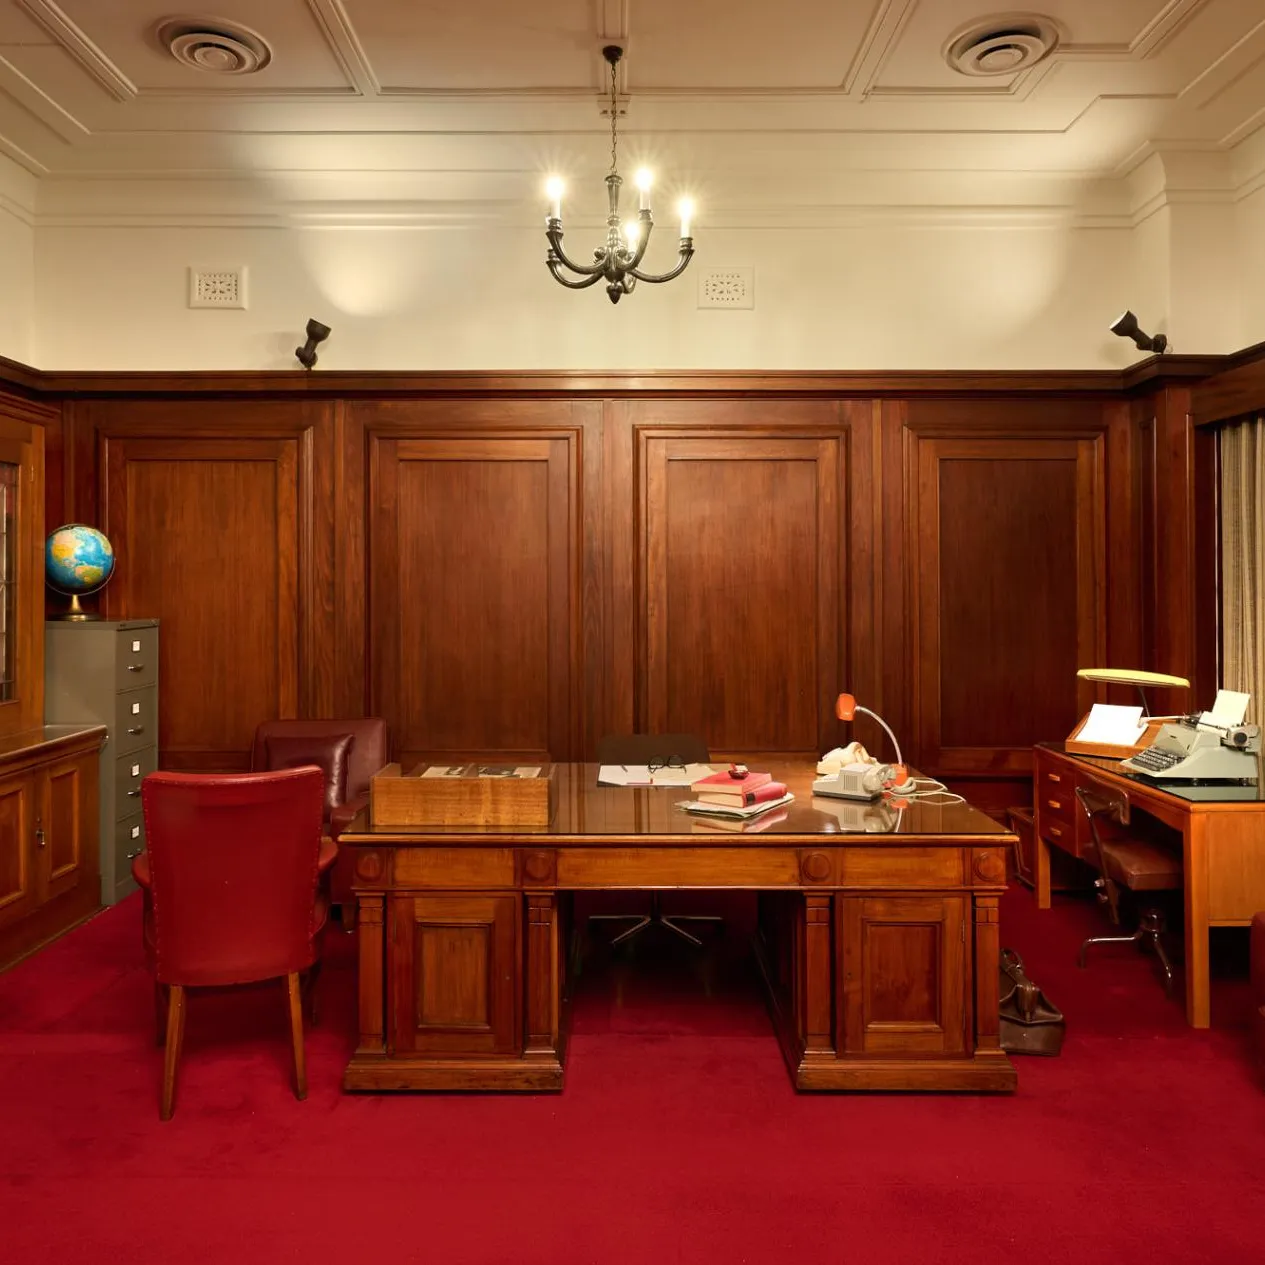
(1113, 725)
(640, 775)
(1228, 709)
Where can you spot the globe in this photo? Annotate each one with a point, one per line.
(78, 559)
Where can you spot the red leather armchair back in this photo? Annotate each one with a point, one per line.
(233, 864)
(370, 749)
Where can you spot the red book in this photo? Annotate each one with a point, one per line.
(731, 785)
(742, 796)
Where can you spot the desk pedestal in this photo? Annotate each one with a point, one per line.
(880, 959)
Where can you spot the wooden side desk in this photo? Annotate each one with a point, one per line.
(1222, 830)
(879, 950)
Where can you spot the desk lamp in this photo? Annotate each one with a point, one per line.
(846, 708)
(1134, 676)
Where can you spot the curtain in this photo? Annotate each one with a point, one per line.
(1243, 561)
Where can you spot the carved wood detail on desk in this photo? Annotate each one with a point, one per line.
(371, 978)
(539, 868)
(816, 867)
(987, 981)
(818, 1004)
(544, 983)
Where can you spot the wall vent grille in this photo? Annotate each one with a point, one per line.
(217, 287)
(726, 287)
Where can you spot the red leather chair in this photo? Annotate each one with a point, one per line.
(230, 879)
(349, 752)
(1258, 984)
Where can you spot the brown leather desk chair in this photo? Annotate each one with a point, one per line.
(349, 752)
(651, 749)
(1125, 861)
(230, 879)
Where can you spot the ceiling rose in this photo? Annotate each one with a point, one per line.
(1002, 44)
(213, 45)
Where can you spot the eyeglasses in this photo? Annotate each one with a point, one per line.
(665, 762)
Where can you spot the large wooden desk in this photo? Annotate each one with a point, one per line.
(1222, 832)
(879, 949)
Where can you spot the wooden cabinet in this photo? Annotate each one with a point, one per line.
(901, 974)
(105, 672)
(48, 813)
(455, 987)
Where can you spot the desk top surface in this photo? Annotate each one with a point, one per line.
(582, 809)
(1190, 792)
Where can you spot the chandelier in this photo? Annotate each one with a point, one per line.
(618, 263)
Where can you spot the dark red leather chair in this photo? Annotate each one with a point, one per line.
(349, 753)
(230, 878)
(1258, 985)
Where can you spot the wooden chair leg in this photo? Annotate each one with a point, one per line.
(171, 1057)
(160, 1013)
(296, 1033)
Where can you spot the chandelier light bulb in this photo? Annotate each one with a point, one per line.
(632, 231)
(644, 179)
(686, 209)
(554, 187)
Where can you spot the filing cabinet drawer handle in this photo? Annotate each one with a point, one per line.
(1053, 803)
(131, 856)
(136, 667)
(1054, 777)
(133, 794)
(1055, 831)
(137, 729)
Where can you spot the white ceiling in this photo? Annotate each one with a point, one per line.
(471, 103)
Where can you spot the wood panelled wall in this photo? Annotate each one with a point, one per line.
(512, 573)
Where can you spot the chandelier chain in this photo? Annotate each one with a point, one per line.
(613, 110)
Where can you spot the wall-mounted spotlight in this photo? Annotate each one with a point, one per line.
(1126, 326)
(316, 333)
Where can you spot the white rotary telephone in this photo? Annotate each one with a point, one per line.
(852, 773)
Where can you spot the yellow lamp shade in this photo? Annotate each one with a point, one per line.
(1131, 676)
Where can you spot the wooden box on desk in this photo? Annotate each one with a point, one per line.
(1109, 749)
(409, 799)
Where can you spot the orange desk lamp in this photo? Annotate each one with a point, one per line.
(846, 708)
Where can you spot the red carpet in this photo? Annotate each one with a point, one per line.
(677, 1139)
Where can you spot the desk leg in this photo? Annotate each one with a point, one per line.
(544, 977)
(1041, 869)
(372, 958)
(1195, 864)
(819, 976)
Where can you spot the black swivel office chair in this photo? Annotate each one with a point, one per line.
(1137, 864)
(653, 749)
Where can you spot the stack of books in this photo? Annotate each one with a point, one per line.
(724, 795)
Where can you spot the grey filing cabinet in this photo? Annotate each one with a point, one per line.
(105, 672)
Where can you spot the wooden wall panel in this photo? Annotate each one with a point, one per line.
(741, 572)
(223, 528)
(475, 562)
(1008, 563)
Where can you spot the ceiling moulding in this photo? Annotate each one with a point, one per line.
(81, 48)
(41, 109)
(343, 42)
(526, 217)
(1150, 40)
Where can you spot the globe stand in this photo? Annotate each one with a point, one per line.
(77, 612)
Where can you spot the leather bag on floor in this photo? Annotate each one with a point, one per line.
(1029, 1023)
